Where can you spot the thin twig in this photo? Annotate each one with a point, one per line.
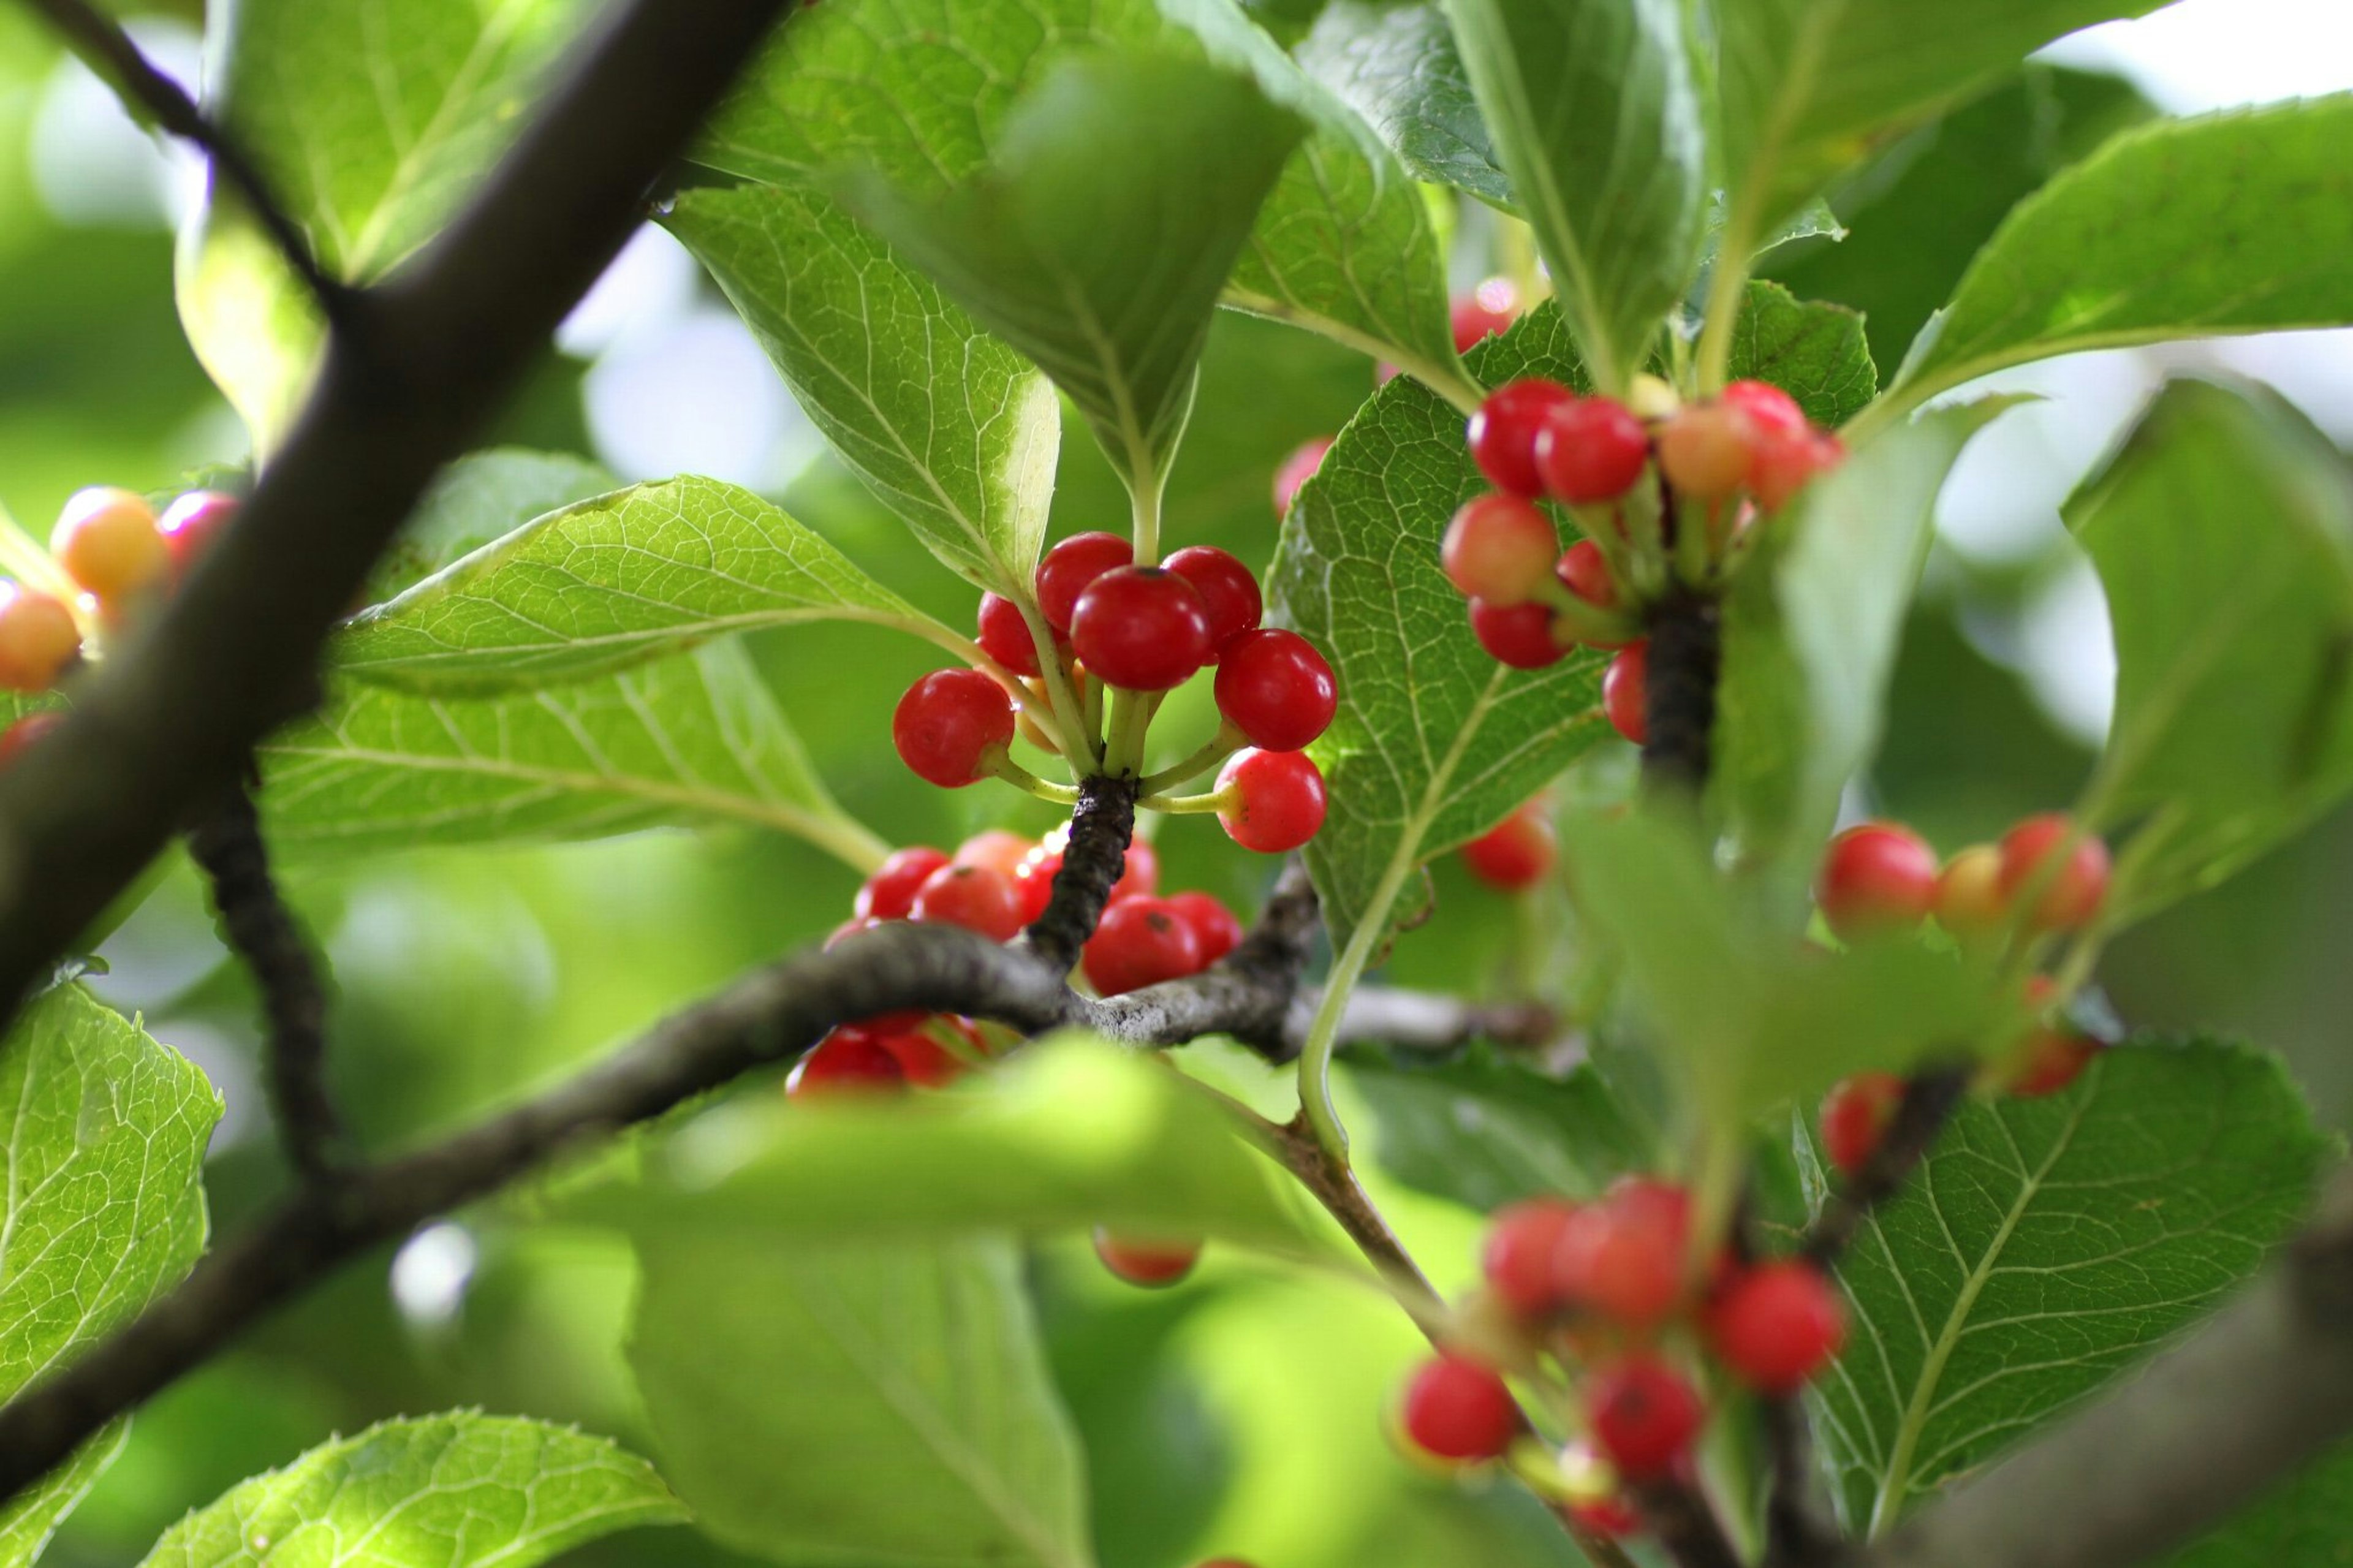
(1930, 1098)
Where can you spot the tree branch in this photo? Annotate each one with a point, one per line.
(1092, 861)
(1679, 703)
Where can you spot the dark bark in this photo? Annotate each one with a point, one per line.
(1101, 825)
(1930, 1098)
(1684, 656)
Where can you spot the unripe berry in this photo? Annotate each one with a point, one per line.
(1005, 636)
(2070, 891)
(1776, 1325)
(1643, 1416)
(1458, 1410)
(952, 726)
(1855, 1116)
(978, 898)
(1276, 689)
(1626, 692)
(1296, 471)
(1876, 878)
(846, 1062)
(1503, 432)
(889, 893)
(1140, 943)
(1500, 549)
(1591, 449)
(1484, 313)
(1213, 924)
(1513, 855)
(39, 639)
(1228, 593)
(24, 732)
(1072, 565)
(190, 524)
(1141, 629)
(1152, 1264)
(1275, 800)
(1970, 903)
(1623, 1255)
(1522, 1241)
(107, 541)
(1703, 451)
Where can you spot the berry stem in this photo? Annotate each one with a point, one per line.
(1323, 1034)
(1022, 779)
(1216, 749)
(1187, 804)
(1069, 715)
(1130, 714)
(1726, 287)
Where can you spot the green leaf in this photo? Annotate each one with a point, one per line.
(2227, 223)
(2222, 531)
(1122, 191)
(1486, 1132)
(372, 135)
(478, 499)
(955, 432)
(441, 1492)
(876, 1405)
(610, 582)
(1396, 66)
(1811, 629)
(1597, 121)
(33, 1515)
(1811, 87)
(1434, 742)
(2046, 1246)
(1815, 352)
(2300, 1521)
(694, 739)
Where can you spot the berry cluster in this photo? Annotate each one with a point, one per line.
(1139, 632)
(1719, 465)
(1617, 1296)
(118, 555)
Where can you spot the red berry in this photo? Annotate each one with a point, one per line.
(1970, 903)
(1854, 1117)
(1770, 412)
(1611, 1517)
(1625, 692)
(2053, 1058)
(1876, 878)
(1484, 313)
(1456, 1409)
(952, 726)
(1518, 1259)
(1780, 465)
(847, 1061)
(2069, 892)
(922, 1058)
(999, 849)
(1296, 471)
(1520, 635)
(1276, 801)
(1623, 1256)
(1070, 566)
(1703, 451)
(889, 893)
(1643, 1416)
(1776, 1325)
(1214, 924)
(1228, 593)
(1586, 572)
(1141, 629)
(1503, 432)
(1033, 884)
(978, 898)
(26, 731)
(1005, 636)
(1146, 1263)
(1500, 549)
(1515, 853)
(1276, 689)
(1141, 942)
(190, 524)
(107, 542)
(39, 639)
(1591, 449)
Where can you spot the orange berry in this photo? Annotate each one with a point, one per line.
(108, 542)
(39, 639)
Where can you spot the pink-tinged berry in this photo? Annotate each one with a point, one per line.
(1216, 926)
(952, 726)
(1276, 689)
(1141, 629)
(1874, 880)
(999, 849)
(1485, 311)
(1070, 566)
(1626, 692)
(1275, 800)
(107, 540)
(1781, 466)
(1151, 1264)
(1503, 432)
(847, 1062)
(1703, 451)
(1140, 943)
(1585, 570)
(1776, 1325)
(1139, 872)
(1519, 636)
(889, 893)
(1500, 549)
(1591, 449)
(190, 524)
(25, 733)
(39, 639)
(1855, 1116)
(1643, 1416)
(978, 898)
(1228, 593)
(2053, 1058)
(1770, 412)
(1458, 1410)
(1623, 1255)
(1970, 903)
(1522, 1241)
(1296, 471)
(1515, 854)
(2069, 891)
(1005, 636)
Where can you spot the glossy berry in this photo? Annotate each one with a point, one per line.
(1500, 549)
(1005, 636)
(1152, 1264)
(1275, 800)
(1141, 629)
(1970, 903)
(1518, 1259)
(1276, 689)
(39, 639)
(1703, 451)
(1139, 943)
(1228, 593)
(1776, 1325)
(26, 731)
(107, 542)
(952, 726)
(1625, 692)
(1513, 855)
(889, 893)
(1070, 566)
(999, 849)
(846, 1062)
(1219, 931)
(2053, 1058)
(1519, 636)
(1875, 879)
(1296, 471)
(1623, 1255)
(1481, 314)
(1769, 411)
(1591, 449)
(2070, 891)
(1458, 1410)
(1585, 570)
(923, 1058)
(1503, 432)
(978, 898)
(1855, 1116)
(1033, 884)
(190, 524)
(1643, 1415)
